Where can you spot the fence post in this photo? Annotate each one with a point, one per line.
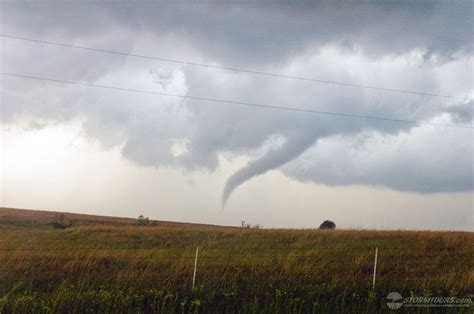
(195, 266)
(375, 268)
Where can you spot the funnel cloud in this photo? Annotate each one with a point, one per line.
(293, 146)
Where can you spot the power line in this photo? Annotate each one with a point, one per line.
(347, 115)
(235, 69)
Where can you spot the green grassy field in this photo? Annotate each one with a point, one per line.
(114, 265)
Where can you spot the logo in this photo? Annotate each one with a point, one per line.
(394, 300)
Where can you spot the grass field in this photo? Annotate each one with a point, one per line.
(114, 265)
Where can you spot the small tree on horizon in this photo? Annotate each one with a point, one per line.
(143, 221)
(59, 222)
(327, 224)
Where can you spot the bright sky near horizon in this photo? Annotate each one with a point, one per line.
(91, 150)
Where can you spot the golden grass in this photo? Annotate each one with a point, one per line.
(242, 263)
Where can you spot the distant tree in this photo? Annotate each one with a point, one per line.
(249, 226)
(143, 221)
(59, 222)
(244, 224)
(327, 224)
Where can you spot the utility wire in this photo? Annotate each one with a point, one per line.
(236, 69)
(347, 115)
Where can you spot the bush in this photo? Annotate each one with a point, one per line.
(143, 221)
(249, 226)
(327, 224)
(59, 222)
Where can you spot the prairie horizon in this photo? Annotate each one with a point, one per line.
(48, 215)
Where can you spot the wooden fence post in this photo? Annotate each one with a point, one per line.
(195, 266)
(375, 268)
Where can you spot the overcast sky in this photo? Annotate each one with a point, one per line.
(102, 151)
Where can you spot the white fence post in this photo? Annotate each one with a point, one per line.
(195, 266)
(375, 268)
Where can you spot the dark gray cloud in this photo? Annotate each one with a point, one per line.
(424, 46)
(423, 160)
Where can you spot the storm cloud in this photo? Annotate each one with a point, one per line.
(425, 47)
